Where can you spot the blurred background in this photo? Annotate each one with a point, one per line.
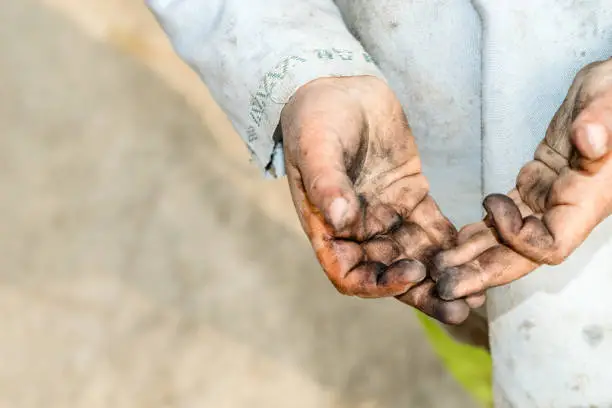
(144, 262)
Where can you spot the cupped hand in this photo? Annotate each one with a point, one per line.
(560, 197)
(355, 178)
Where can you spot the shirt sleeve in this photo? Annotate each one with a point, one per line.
(254, 54)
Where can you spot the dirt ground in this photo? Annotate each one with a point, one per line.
(145, 264)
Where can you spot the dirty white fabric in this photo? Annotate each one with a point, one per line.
(253, 55)
(474, 77)
(479, 80)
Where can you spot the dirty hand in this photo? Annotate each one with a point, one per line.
(560, 196)
(355, 177)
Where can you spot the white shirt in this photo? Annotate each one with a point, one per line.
(479, 80)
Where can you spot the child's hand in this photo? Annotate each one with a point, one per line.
(559, 198)
(354, 173)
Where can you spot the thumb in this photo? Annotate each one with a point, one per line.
(322, 133)
(592, 130)
(326, 182)
(593, 140)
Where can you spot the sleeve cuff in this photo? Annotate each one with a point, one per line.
(280, 83)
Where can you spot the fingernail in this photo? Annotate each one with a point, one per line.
(597, 138)
(337, 212)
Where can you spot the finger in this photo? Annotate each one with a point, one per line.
(497, 266)
(550, 239)
(439, 229)
(327, 184)
(406, 193)
(423, 297)
(409, 196)
(382, 249)
(592, 129)
(463, 253)
(337, 258)
(476, 301)
(401, 272)
(402, 275)
(349, 270)
(534, 183)
(355, 276)
(504, 214)
(469, 230)
(374, 280)
(373, 219)
(414, 242)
